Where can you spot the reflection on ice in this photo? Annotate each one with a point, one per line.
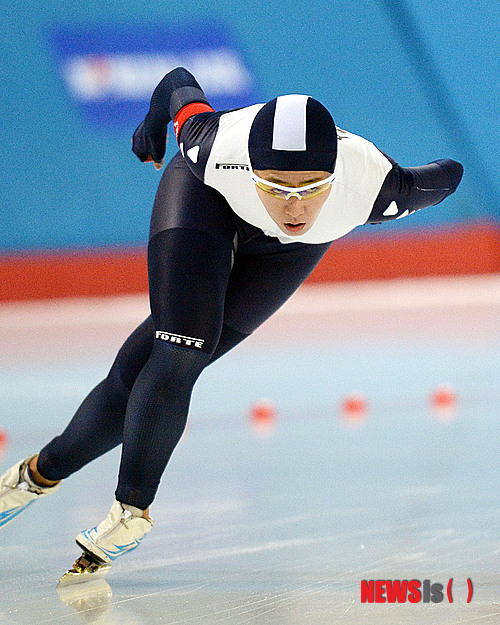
(92, 601)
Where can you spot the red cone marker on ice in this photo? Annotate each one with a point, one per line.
(354, 409)
(443, 402)
(263, 417)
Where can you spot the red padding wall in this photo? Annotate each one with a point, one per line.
(457, 250)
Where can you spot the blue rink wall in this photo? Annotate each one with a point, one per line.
(418, 79)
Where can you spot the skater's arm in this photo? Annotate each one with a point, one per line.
(408, 189)
(178, 95)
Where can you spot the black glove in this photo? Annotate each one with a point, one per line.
(149, 142)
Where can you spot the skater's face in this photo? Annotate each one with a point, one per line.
(293, 214)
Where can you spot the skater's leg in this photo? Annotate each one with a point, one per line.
(189, 271)
(98, 423)
(189, 262)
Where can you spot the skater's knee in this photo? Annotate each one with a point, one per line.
(176, 365)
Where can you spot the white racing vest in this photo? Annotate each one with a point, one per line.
(360, 171)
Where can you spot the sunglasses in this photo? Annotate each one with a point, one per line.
(283, 193)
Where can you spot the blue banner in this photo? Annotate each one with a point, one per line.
(111, 72)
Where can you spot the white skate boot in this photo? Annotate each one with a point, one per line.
(18, 491)
(121, 532)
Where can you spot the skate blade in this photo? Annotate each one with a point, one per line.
(73, 577)
(85, 568)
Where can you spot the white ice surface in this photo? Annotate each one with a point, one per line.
(276, 530)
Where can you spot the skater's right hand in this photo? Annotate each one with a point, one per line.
(149, 142)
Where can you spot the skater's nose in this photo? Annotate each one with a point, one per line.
(294, 207)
